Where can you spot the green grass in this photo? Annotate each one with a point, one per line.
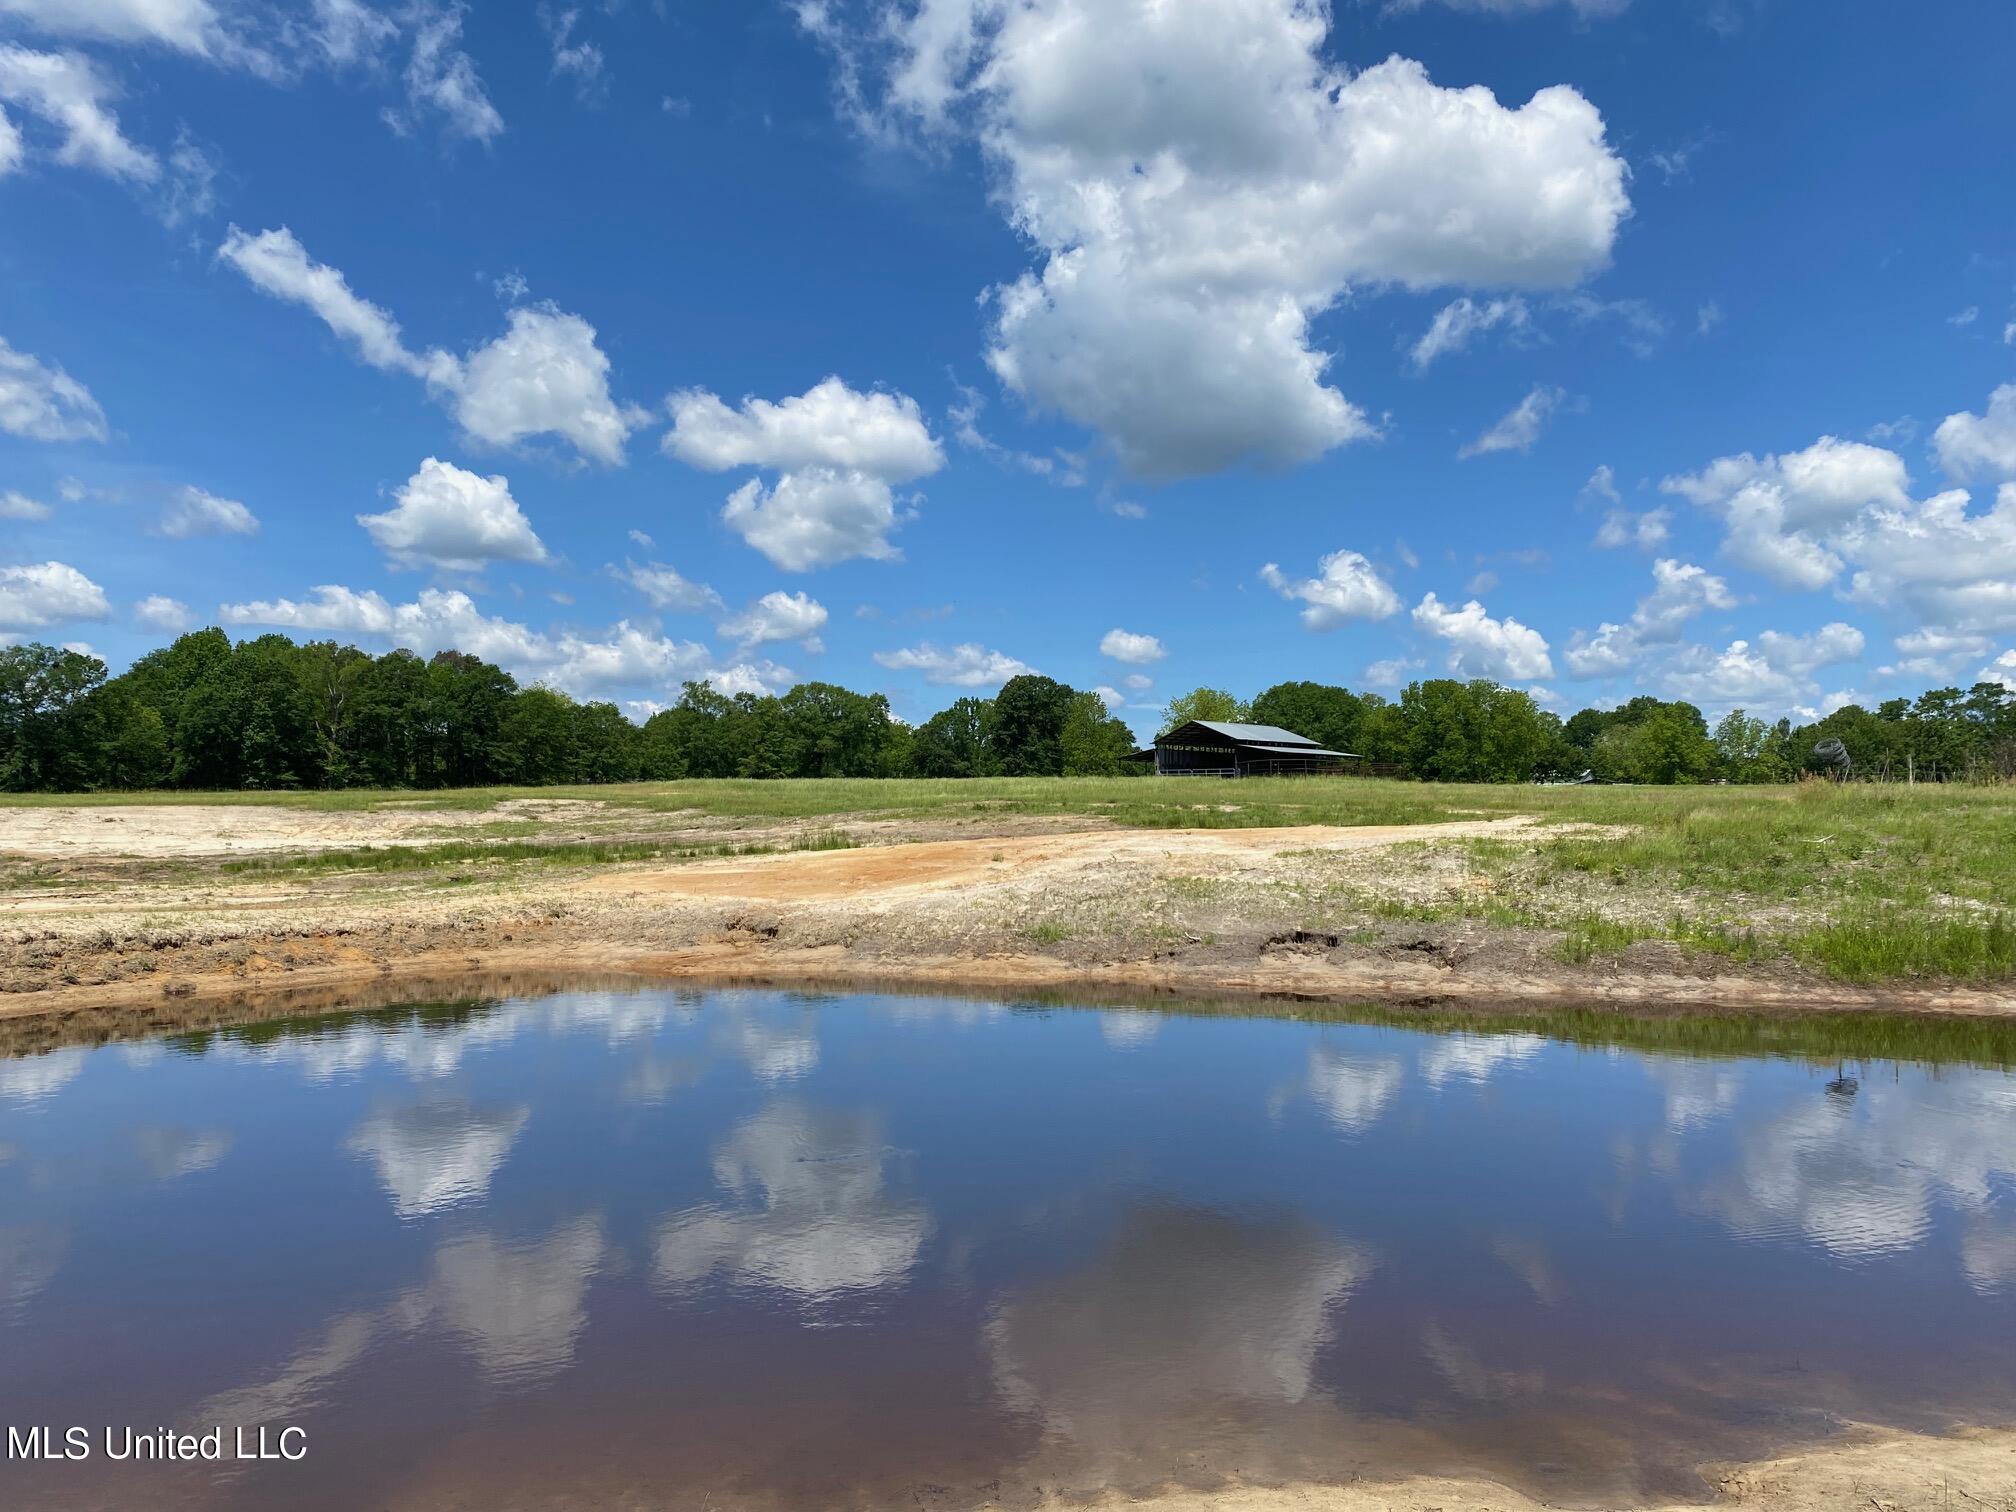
(399, 858)
(349, 800)
(1891, 944)
(1816, 1037)
(1861, 883)
(1133, 801)
(1819, 1039)
(1593, 935)
(1857, 882)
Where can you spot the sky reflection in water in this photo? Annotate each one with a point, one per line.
(786, 1251)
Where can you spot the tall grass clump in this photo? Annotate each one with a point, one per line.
(1889, 944)
(396, 858)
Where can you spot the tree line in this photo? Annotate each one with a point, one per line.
(206, 713)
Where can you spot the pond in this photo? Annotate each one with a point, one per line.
(751, 1249)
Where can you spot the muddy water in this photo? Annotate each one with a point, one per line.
(756, 1250)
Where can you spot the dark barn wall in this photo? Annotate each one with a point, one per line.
(1195, 756)
(1197, 752)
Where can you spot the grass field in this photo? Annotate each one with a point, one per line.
(1815, 1039)
(1143, 801)
(1860, 883)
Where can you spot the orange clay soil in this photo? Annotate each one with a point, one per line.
(1283, 913)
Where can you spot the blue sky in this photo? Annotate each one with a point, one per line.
(1600, 348)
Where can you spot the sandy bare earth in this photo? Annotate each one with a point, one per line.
(146, 907)
(897, 871)
(115, 921)
(221, 829)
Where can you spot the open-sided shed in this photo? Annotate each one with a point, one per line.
(1209, 748)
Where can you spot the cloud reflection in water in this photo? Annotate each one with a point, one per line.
(815, 1219)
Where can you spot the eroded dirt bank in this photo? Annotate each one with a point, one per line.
(114, 936)
(140, 907)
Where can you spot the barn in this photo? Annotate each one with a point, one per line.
(1208, 748)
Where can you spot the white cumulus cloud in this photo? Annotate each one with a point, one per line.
(349, 31)
(1346, 587)
(190, 26)
(44, 403)
(1199, 178)
(1805, 518)
(778, 617)
(584, 664)
(18, 506)
(967, 666)
(830, 425)
(1680, 591)
(1950, 569)
(1480, 646)
(447, 517)
(1984, 445)
(1591, 9)
(1391, 672)
(665, 587)
(194, 512)
(839, 454)
(544, 376)
(1773, 674)
(1829, 645)
(757, 678)
(1930, 656)
(1519, 428)
(1624, 527)
(159, 612)
(815, 518)
(68, 93)
(277, 263)
(441, 80)
(1783, 512)
(1461, 321)
(1135, 650)
(48, 593)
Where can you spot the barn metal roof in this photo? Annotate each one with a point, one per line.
(1295, 750)
(1252, 734)
(1271, 739)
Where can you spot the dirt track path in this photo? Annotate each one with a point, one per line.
(947, 865)
(172, 831)
(1086, 908)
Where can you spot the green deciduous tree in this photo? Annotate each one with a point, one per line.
(1328, 715)
(1668, 744)
(270, 713)
(1095, 744)
(1026, 729)
(954, 742)
(1214, 704)
(47, 735)
(1477, 731)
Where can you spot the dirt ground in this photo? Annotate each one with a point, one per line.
(148, 907)
(1056, 860)
(115, 921)
(207, 829)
